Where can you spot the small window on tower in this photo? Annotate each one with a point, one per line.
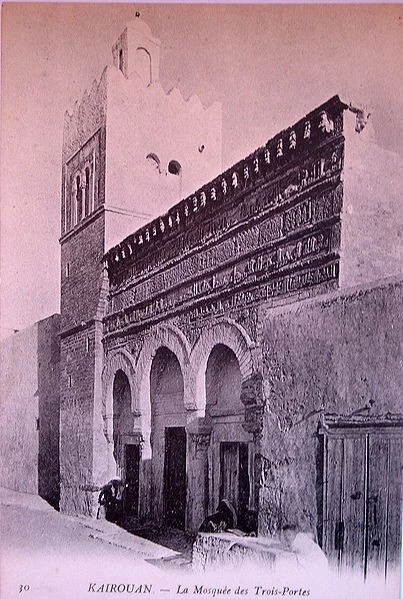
(79, 199)
(87, 199)
(174, 167)
(67, 270)
(121, 60)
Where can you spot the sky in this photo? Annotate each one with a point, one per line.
(267, 64)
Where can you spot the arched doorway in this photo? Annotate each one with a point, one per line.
(143, 65)
(168, 438)
(126, 448)
(231, 444)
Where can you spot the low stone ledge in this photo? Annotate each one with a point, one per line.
(228, 548)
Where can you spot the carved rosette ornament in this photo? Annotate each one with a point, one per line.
(326, 125)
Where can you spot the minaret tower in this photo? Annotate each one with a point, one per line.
(130, 151)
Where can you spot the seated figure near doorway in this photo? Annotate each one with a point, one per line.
(110, 500)
(222, 520)
(226, 519)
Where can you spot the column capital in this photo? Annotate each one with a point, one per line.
(199, 432)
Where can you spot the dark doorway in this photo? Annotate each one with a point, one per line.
(234, 477)
(175, 477)
(132, 469)
(123, 419)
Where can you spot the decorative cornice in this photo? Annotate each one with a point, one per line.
(367, 420)
(263, 165)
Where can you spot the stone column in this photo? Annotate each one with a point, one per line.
(198, 435)
(145, 491)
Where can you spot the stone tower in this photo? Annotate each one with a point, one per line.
(130, 151)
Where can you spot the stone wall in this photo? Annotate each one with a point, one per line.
(337, 354)
(82, 286)
(77, 383)
(30, 370)
(81, 272)
(371, 240)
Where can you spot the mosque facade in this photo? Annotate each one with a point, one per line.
(230, 334)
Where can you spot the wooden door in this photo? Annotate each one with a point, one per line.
(132, 470)
(384, 502)
(234, 476)
(362, 497)
(175, 477)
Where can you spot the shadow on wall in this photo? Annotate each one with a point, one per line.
(48, 422)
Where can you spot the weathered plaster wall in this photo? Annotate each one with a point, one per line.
(136, 52)
(338, 354)
(29, 425)
(20, 413)
(371, 238)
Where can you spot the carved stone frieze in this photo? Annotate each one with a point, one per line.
(311, 211)
(248, 319)
(265, 288)
(132, 343)
(266, 228)
(260, 203)
(265, 260)
(258, 268)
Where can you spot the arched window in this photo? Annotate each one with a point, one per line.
(79, 199)
(153, 161)
(87, 192)
(121, 60)
(174, 168)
